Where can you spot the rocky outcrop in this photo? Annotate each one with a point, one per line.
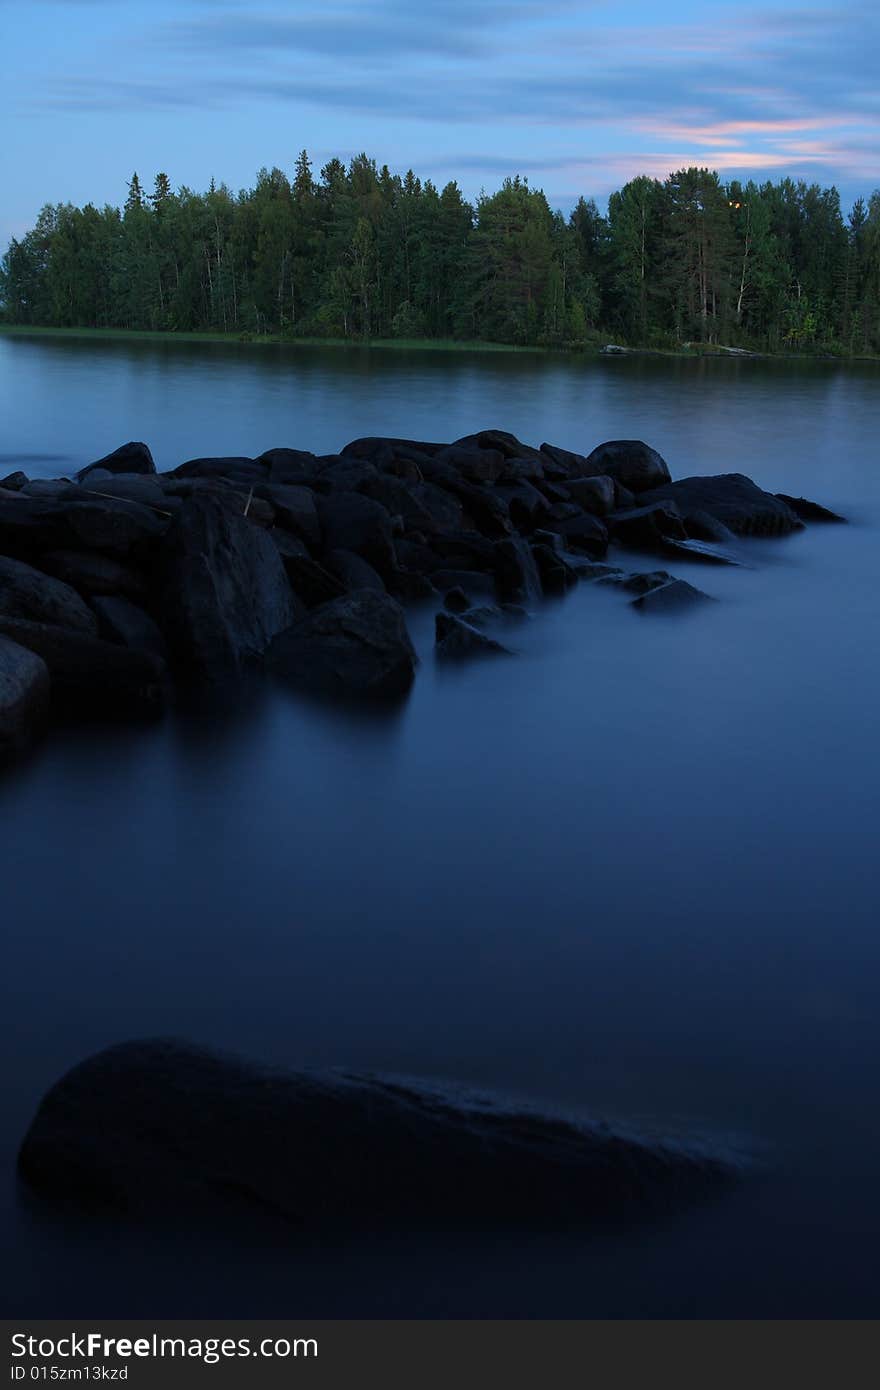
(732, 499)
(355, 645)
(162, 1128)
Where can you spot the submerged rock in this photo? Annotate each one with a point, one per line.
(24, 697)
(160, 1128)
(356, 645)
(457, 639)
(807, 510)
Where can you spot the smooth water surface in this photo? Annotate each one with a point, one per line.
(631, 872)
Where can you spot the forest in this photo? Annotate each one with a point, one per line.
(360, 253)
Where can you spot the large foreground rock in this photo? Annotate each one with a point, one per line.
(92, 678)
(162, 1127)
(356, 645)
(734, 500)
(227, 594)
(27, 593)
(24, 697)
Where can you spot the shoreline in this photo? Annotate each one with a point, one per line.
(445, 345)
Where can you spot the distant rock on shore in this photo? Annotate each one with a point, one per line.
(127, 583)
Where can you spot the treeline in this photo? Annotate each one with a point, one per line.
(360, 252)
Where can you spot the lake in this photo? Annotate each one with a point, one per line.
(631, 873)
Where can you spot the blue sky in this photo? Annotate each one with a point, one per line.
(578, 94)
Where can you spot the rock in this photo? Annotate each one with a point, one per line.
(288, 465)
(734, 500)
(504, 443)
(807, 510)
(241, 470)
(92, 574)
(457, 639)
(377, 448)
(346, 474)
(24, 697)
(644, 583)
(526, 505)
(456, 600)
(353, 571)
(353, 522)
(414, 555)
(29, 526)
(704, 551)
(568, 464)
(28, 593)
(125, 623)
(472, 581)
(402, 499)
(670, 597)
(294, 509)
(128, 458)
(700, 526)
(356, 645)
(92, 678)
(163, 1128)
(516, 572)
(630, 462)
(226, 593)
(585, 532)
(474, 465)
(589, 571)
(596, 495)
(14, 482)
(444, 509)
(311, 582)
(557, 575)
(646, 527)
(464, 550)
(130, 487)
(411, 587)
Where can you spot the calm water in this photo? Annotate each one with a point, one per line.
(632, 872)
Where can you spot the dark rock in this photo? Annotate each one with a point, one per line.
(526, 505)
(14, 482)
(242, 470)
(24, 697)
(585, 532)
(471, 581)
(128, 458)
(28, 593)
(464, 550)
(443, 509)
(700, 526)
(456, 600)
(644, 583)
(557, 575)
(807, 510)
(413, 555)
(623, 498)
(519, 469)
(226, 591)
(161, 1127)
(130, 487)
(400, 498)
(288, 465)
(482, 508)
(311, 582)
(410, 586)
(457, 639)
(504, 443)
(630, 462)
(55, 489)
(732, 499)
(29, 526)
(703, 551)
(356, 645)
(596, 495)
(646, 527)
(92, 678)
(353, 522)
(516, 571)
(671, 597)
(474, 465)
(353, 571)
(91, 574)
(346, 475)
(294, 509)
(590, 572)
(377, 446)
(570, 465)
(125, 623)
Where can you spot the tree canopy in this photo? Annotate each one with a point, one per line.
(359, 252)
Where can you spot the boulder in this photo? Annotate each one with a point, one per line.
(526, 505)
(161, 1127)
(128, 458)
(630, 462)
(14, 482)
(596, 495)
(557, 575)
(516, 572)
(92, 678)
(312, 584)
(472, 581)
(345, 474)
(28, 593)
(288, 465)
(807, 510)
(567, 464)
(125, 623)
(226, 592)
(130, 487)
(236, 467)
(294, 509)
(504, 443)
(457, 639)
(670, 597)
(734, 500)
(92, 574)
(700, 526)
(30, 526)
(378, 448)
(644, 583)
(646, 527)
(400, 498)
(586, 533)
(24, 697)
(474, 465)
(352, 522)
(353, 571)
(703, 551)
(358, 645)
(456, 600)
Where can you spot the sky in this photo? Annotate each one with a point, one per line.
(578, 95)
